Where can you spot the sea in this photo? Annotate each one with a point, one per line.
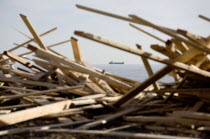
(135, 72)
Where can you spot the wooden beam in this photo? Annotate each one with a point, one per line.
(142, 53)
(32, 113)
(33, 32)
(76, 49)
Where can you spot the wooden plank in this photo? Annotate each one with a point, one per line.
(17, 106)
(191, 115)
(28, 129)
(76, 49)
(49, 46)
(204, 17)
(113, 116)
(142, 53)
(114, 134)
(104, 85)
(197, 106)
(33, 32)
(171, 129)
(181, 46)
(22, 61)
(188, 55)
(111, 15)
(20, 73)
(163, 51)
(89, 85)
(40, 92)
(16, 88)
(75, 67)
(193, 37)
(35, 83)
(149, 69)
(47, 74)
(170, 33)
(138, 89)
(43, 34)
(164, 119)
(107, 119)
(151, 35)
(32, 113)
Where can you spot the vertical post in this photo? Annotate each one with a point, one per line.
(76, 49)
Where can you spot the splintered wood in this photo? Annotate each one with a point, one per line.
(49, 90)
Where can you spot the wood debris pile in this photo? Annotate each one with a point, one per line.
(57, 95)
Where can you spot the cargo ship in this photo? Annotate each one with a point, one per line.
(112, 62)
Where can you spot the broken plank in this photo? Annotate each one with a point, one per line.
(32, 113)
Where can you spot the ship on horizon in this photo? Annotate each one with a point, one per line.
(112, 62)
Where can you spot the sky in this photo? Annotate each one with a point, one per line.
(47, 14)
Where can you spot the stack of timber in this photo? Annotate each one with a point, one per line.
(50, 95)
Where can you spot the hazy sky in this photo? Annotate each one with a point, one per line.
(46, 14)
